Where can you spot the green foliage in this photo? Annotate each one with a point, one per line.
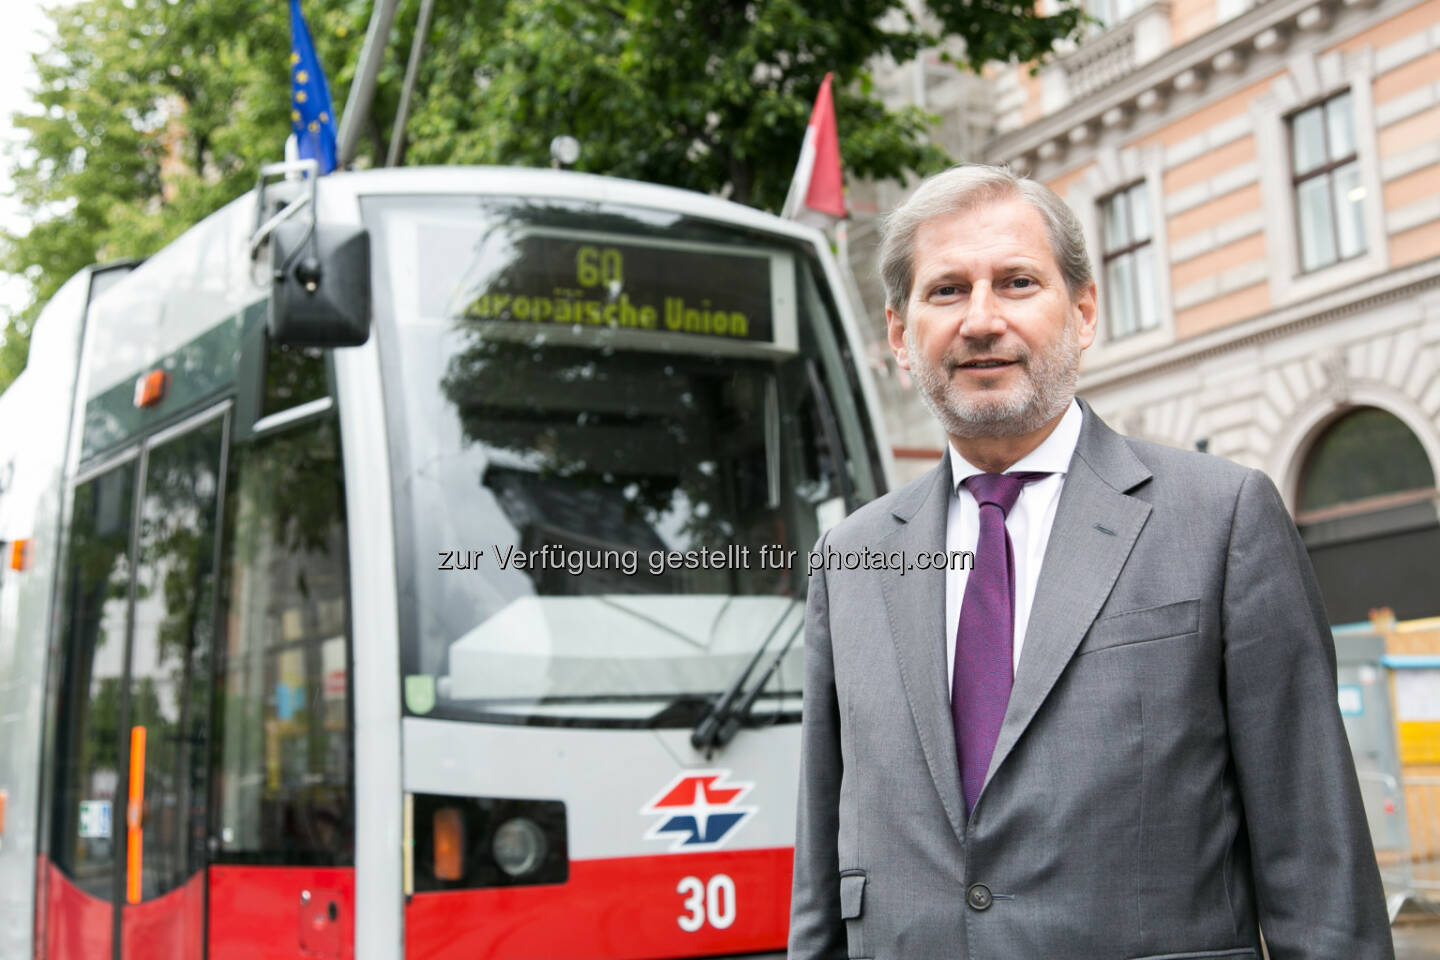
(153, 113)
(711, 96)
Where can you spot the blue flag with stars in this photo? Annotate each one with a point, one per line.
(311, 114)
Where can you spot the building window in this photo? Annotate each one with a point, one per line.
(1230, 9)
(1129, 262)
(1365, 454)
(1111, 12)
(1328, 191)
(1366, 512)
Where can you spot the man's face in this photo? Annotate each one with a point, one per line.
(990, 332)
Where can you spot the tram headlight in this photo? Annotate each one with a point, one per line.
(519, 846)
(469, 843)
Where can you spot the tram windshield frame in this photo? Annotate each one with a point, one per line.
(615, 433)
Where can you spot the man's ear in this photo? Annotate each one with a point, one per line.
(895, 333)
(1087, 305)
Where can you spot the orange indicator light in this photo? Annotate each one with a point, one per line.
(449, 844)
(150, 389)
(20, 554)
(135, 837)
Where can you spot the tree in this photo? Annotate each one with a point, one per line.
(152, 114)
(711, 95)
(156, 112)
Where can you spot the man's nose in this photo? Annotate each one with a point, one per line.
(984, 316)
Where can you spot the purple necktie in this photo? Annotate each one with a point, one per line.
(984, 667)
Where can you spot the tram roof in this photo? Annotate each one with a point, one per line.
(566, 184)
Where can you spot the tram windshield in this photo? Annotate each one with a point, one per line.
(616, 433)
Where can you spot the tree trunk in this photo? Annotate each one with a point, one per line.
(742, 180)
(378, 141)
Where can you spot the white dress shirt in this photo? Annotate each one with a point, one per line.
(1028, 524)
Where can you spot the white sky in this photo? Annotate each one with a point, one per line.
(26, 27)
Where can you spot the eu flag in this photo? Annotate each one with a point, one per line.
(311, 114)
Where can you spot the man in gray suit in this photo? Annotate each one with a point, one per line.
(1115, 736)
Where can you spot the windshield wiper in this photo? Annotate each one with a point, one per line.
(723, 720)
(830, 426)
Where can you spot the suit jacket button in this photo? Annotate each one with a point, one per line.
(978, 896)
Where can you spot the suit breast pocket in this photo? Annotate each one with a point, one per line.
(1145, 625)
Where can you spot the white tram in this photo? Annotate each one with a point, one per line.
(469, 630)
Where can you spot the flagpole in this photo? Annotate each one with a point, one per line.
(362, 89)
(799, 181)
(397, 134)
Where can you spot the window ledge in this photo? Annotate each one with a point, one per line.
(1110, 349)
(1325, 279)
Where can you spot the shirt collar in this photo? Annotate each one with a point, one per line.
(1052, 456)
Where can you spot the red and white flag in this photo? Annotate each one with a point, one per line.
(817, 194)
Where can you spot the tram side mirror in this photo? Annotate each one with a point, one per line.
(321, 284)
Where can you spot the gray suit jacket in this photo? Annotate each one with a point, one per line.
(1172, 774)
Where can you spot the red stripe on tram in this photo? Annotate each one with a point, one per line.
(627, 908)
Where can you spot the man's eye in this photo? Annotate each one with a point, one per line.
(947, 290)
(1022, 282)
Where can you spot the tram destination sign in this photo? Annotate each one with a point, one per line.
(546, 279)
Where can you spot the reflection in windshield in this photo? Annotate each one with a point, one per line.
(637, 451)
(679, 427)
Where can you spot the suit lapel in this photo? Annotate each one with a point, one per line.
(915, 605)
(1096, 525)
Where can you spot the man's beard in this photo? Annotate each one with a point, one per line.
(1041, 395)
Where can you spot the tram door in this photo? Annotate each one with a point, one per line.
(126, 878)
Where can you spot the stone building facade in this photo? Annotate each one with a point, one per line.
(1260, 189)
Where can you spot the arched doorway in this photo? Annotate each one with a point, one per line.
(1366, 509)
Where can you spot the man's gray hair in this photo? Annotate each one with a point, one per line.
(965, 187)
